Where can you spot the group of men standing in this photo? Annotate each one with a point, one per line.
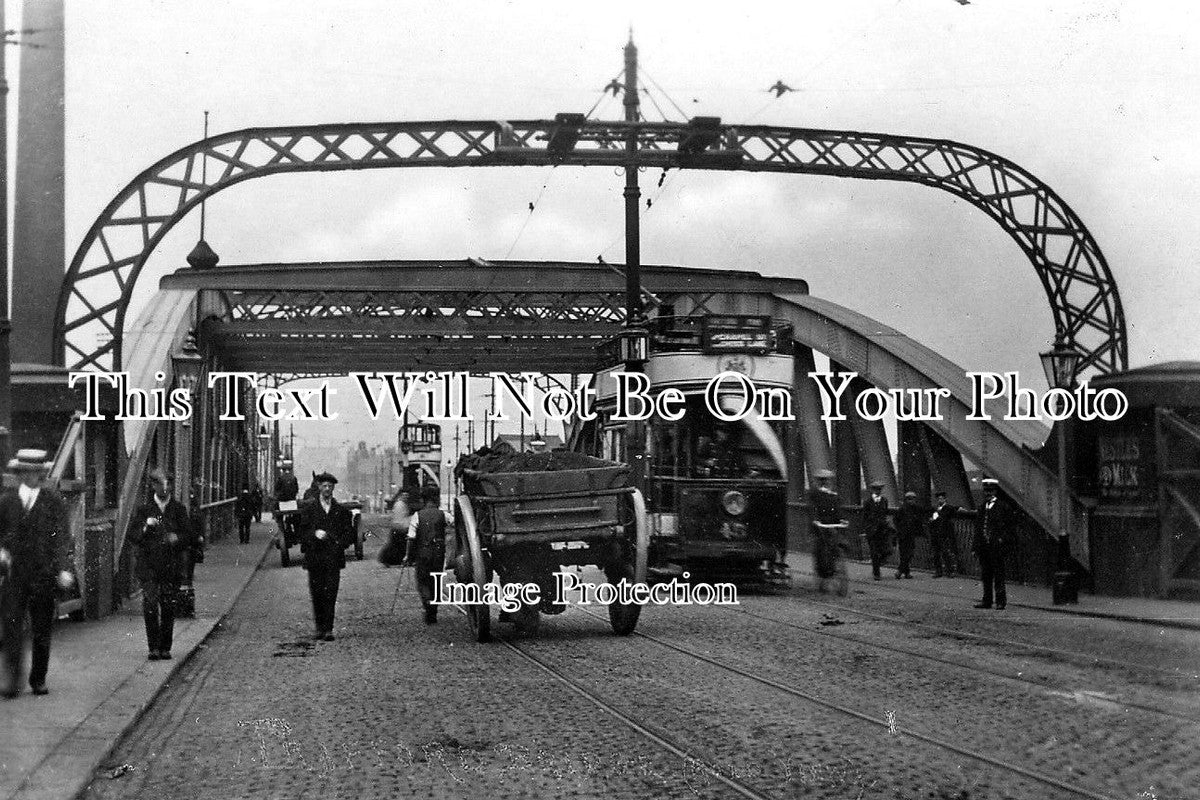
(991, 540)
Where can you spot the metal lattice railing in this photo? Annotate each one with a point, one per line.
(1079, 287)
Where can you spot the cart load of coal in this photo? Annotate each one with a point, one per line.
(505, 458)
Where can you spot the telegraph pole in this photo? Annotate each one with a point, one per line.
(5, 323)
(635, 332)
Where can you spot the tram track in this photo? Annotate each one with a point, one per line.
(740, 788)
(1074, 654)
(889, 725)
(975, 668)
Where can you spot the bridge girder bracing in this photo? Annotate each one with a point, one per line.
(1078, 284)
(503, 319)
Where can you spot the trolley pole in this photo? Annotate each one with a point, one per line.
(636, 347)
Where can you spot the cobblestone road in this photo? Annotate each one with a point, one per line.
(397, 709)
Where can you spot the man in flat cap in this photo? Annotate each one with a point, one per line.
(325, 531)
(161, 528)
(34, 560)
(993, 535)
(875, 526)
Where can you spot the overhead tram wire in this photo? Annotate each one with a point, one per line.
(664, 93)
(537, 200)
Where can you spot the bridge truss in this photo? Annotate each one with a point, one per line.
(1078, 284)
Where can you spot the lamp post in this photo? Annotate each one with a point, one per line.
(1059, 364)
(187, 365)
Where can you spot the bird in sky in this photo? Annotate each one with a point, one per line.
(614, 86)
(780, 88)
(963, 2)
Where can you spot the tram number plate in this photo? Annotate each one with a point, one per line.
(568, 545)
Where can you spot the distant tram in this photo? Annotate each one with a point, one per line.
(420, 445)
(716, 490)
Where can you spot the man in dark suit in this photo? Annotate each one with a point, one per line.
(244, 512)
(942, 539)
(875, 526)
(34, 559)
(993, 535)
(325, 531)
(161, 529)
(428, 539)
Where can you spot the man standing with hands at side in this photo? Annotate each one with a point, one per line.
(34, 547)
(993, 532)
(325, 530)
(160, 528)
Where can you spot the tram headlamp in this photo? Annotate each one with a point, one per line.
(734, 503)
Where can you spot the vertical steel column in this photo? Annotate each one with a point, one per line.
(848, 480)
(913, 466)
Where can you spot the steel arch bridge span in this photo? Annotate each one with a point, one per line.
(99, 282)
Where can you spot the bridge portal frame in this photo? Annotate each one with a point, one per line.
(1074, 274)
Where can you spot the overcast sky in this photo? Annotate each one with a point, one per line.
(1098, 99)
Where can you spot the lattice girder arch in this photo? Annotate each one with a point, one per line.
(1074, 274)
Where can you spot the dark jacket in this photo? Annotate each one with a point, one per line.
(875, 520)
(327, 553)
(430, 544)
(994, 527)
(943, 525)
(827, 508)
(38, 540)
(286, 487)
(910, 520)
(245, 506)
(157, 554)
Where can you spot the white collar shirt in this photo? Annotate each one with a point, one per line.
(29, 495)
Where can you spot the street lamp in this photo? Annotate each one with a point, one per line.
(187, 365)
(1059, 364)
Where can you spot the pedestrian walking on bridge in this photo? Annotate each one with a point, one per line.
(876, 527)
(429, 539)
(325, 531)
(161, 529)
(34, 560)
(244, 511)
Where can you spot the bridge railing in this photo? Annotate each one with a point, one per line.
(1030, 559)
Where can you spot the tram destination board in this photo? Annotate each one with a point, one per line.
(735, 333)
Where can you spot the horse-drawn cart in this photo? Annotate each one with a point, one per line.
(523, 527)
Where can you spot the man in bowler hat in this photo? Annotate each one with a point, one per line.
(162, 530)
(325, 530)
(34, 560)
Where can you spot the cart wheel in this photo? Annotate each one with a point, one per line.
(642, 537)
(622, 616)
(479, 615)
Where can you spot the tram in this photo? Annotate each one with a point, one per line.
(420, 445)
(716, 490)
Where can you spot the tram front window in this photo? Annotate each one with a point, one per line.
(702, 446)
